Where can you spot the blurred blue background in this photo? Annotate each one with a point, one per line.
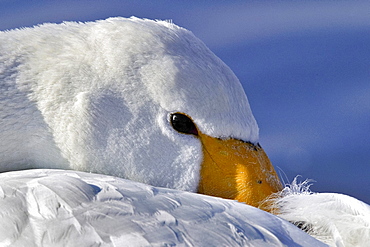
(305, 66)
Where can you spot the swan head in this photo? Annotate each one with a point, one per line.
(143, 100)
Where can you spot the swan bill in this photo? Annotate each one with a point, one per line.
(237, 170)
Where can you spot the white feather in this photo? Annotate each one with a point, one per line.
(336, 219)
(68, 208)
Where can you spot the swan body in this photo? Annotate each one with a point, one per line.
(69, 208)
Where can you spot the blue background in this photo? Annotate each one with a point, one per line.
(305, 66)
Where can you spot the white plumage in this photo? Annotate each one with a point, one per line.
(67, 208)
(97, 97)
(335, 219)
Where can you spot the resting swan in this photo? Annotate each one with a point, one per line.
(135, 99)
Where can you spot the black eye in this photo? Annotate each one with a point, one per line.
(183, 124)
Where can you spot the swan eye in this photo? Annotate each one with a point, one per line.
(183, 124)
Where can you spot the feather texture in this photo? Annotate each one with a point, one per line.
(68, 208)
(335, 219)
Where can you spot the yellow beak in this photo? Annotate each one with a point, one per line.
(236, 170)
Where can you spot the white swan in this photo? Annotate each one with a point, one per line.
(136, 99)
